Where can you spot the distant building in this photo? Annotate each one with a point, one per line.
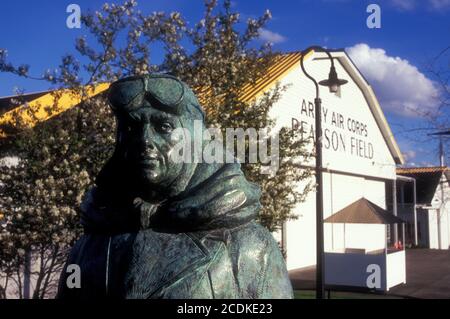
(432, 205)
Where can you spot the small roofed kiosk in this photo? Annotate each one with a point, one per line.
(361, 254)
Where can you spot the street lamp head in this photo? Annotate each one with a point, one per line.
(333, 82)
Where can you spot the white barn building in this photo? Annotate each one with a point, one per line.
(360, 153)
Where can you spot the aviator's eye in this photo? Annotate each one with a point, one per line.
(165, 127)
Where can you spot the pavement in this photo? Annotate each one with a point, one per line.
(427, 275)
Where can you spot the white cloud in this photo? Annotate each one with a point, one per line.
(409, 155)
(400, 87)
(427, 164)
(440, 4)
(270, 36)
(408, 5)
(404, 4)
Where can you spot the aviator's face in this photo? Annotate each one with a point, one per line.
(150, 144)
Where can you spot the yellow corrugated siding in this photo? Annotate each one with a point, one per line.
(282, 65)
(38, 107)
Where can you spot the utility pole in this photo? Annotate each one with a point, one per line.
(441, 152)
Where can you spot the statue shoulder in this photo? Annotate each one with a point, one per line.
(253, 236)
(262, 269)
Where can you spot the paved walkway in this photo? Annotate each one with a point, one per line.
(427, 275)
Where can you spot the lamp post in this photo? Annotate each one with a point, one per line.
(333, 83)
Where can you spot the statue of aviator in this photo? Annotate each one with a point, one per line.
(156, 228)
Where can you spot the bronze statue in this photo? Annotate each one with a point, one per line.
(157, 228)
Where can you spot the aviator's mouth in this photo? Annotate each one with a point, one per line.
(148, 159)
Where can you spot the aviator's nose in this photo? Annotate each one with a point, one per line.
(147, 138)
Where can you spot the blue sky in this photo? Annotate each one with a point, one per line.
(392, 58)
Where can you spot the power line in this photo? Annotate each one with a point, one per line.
(446, 132)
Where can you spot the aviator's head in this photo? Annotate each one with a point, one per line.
(148, 109)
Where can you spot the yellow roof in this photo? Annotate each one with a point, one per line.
(38, 110)
(281, 65)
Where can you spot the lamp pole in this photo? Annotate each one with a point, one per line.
(333, 83)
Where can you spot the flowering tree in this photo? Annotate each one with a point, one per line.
(58, 159)
(223, 64)
(40, 194)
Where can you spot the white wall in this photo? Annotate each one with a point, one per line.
(369, 237)
(447, 209)
(395, 269)
(365, 236)
(301, 235)
(438, 218)
(444, 195)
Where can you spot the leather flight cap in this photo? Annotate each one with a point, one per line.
(162, 91)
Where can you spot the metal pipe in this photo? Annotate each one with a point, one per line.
(320, 267)
(320, 288)
(394, 208)
(319, 201)
(403, 236)
(416, 240)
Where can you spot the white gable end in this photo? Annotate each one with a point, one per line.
(352, 139)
